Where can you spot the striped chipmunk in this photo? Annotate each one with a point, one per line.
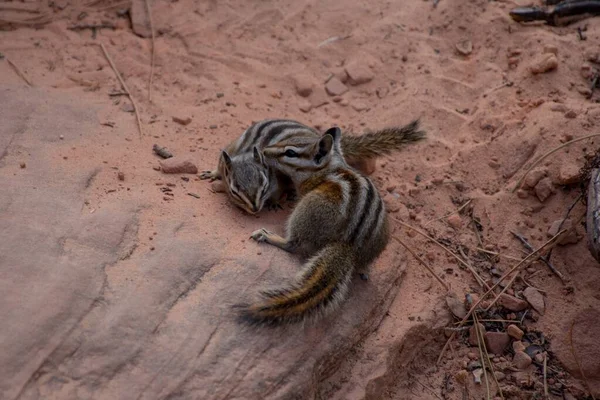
(251, 184)
(339, 225)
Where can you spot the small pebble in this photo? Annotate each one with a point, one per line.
(182, 120)
(514, 332)
(61, 137)
(23, 165)
(335, 87)
(121, 176)
(544, 189)
(544, 63)
(521, 360)
(358, 73)
(454, 221)
(536, 299)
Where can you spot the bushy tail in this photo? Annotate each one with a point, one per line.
(385, 141)
(321, 286)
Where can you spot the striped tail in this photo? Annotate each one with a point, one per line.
(320, 288)
(382, 142)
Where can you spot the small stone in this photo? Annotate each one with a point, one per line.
(472, 355)
(539, 357)
(534, 177)
(61, 137)
(464, 47)
(571, 114)
(127, 107)
(461, 376)
(358, 73)
(477, 373)
(518, 346)
(121, 176)
(220, 94)
(140, 22)
(587, 71)
(497, 342)
(500, 375)
(544, 189)
(182, 120)
(544, 63)
(454, 221)
(550, 49)
(522, 194)
(213, 127)
(536, 299)
(473, 334)
(319, 98)
(514, 331)
(569, 237)
(218, 187)
(512, 303)
(175, 165)
(359, 106)
(455, 305)
(23, 165)
(557, 107)
(568, 174)
(303, 84)
(304, 105)
(521, 360)
(335, 87)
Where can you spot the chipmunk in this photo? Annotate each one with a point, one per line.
(340, 225)
(251, 184)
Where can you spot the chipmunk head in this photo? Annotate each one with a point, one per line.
(301, 157)
(247, 180)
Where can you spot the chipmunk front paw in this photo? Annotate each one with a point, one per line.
(212, 175)
(260, 235)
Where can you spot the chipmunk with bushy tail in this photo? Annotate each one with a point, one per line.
(339, 224)
(251, 184)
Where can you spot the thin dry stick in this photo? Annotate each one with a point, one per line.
(457, 211)
(18, 71)
(494, 253)
(545, 376)
(479, 279)
(587, 383)
(536, 162)
(521, 266)
(480, 343)
(527, 260)
(545, 259)
(415, 255)
(149, 10)
(125, 88)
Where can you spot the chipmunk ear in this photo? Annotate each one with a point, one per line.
(325, 147)
(258, 156)
(335, 132)
(226, 160)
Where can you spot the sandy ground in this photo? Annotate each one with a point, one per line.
(227, 63)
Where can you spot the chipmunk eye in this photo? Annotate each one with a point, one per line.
(290, 153)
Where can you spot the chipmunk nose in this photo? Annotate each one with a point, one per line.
(254, 208)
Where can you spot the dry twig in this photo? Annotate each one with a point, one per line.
(125, 88)
(149, 10)
(545, 259)
(457, 211)
(17, 71)
(526, 261)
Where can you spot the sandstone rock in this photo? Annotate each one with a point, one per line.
(473, 334)
(535, 298)
(512, 303)
(534, 177)
(544, 189)
(177, 165)
(318, 98)
(514, 331)
(335, 87)
(464, 47)
(497, 342)
(455, 221)
(571, 114)
(358, 73)
(544, 63)
(303, 84)
(304, 105)
(519, 155)
(455, 305)
(121, 176)
(568, 174)
(550, 49)
(182, 120)
(521, 360)
(140, 21)
(518, 346)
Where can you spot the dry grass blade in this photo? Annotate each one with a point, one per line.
(17, 71)
(125, 88)
(427, 267)
(543, 157)
(479, 279)
(481, 346)
(149, 10)
(545, 376)
(528, 260)
(524, 264)
(457, 211)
